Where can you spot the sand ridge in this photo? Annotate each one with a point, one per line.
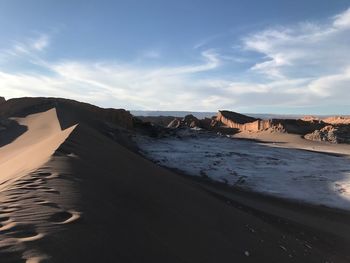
(33, 148)
(31, 206)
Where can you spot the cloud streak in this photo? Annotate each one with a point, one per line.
(302, 65)
(112, 84)
(27, 47)
(320, 49)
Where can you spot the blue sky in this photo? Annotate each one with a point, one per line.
(250, 56)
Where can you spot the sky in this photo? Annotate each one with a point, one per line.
(272, 56)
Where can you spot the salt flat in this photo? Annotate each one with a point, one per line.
(305, 176)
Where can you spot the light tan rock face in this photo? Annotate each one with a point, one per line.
(330, 133)
(246, 123)
(330, 120)
(310, 118)
(338, 120)
(234, 120)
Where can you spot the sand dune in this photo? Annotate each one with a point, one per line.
(32, 149)
(78, 195)
(24, 189)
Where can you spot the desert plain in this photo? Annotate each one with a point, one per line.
(79, 183)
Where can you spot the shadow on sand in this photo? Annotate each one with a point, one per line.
(11, 132)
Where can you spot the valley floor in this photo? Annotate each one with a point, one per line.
(288, 167)
(80, 196)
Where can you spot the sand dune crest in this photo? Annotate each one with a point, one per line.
(33, 148)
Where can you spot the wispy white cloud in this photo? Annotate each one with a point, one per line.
(205, 42)
(334, 86)
(306, 44)
(40, 43)
(342, 20)
(319, 52)
(307, 64)
(29, 46)
(152, 54)
(27, 49)
(118, 84)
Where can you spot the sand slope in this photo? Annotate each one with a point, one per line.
(134, 211)
(33, 148)
(26, 199)
(285, 140)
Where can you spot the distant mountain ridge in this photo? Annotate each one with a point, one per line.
(202, 115)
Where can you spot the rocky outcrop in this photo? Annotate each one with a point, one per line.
(228, 122)
(2, 100)
(250, 124)
(175, 123)
(245, 123)
(330, 133)
(299, 126)
(334, 120)
(310, 118)
(337, 120)
(188, 121)
(191, 121)
(237, 121)
(233, 119)
(69, 112)
(207, 123)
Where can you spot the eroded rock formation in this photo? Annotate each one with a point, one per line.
(250, 124)
(189, 121)
(228, 122)
(337, 120)
(330, 133)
